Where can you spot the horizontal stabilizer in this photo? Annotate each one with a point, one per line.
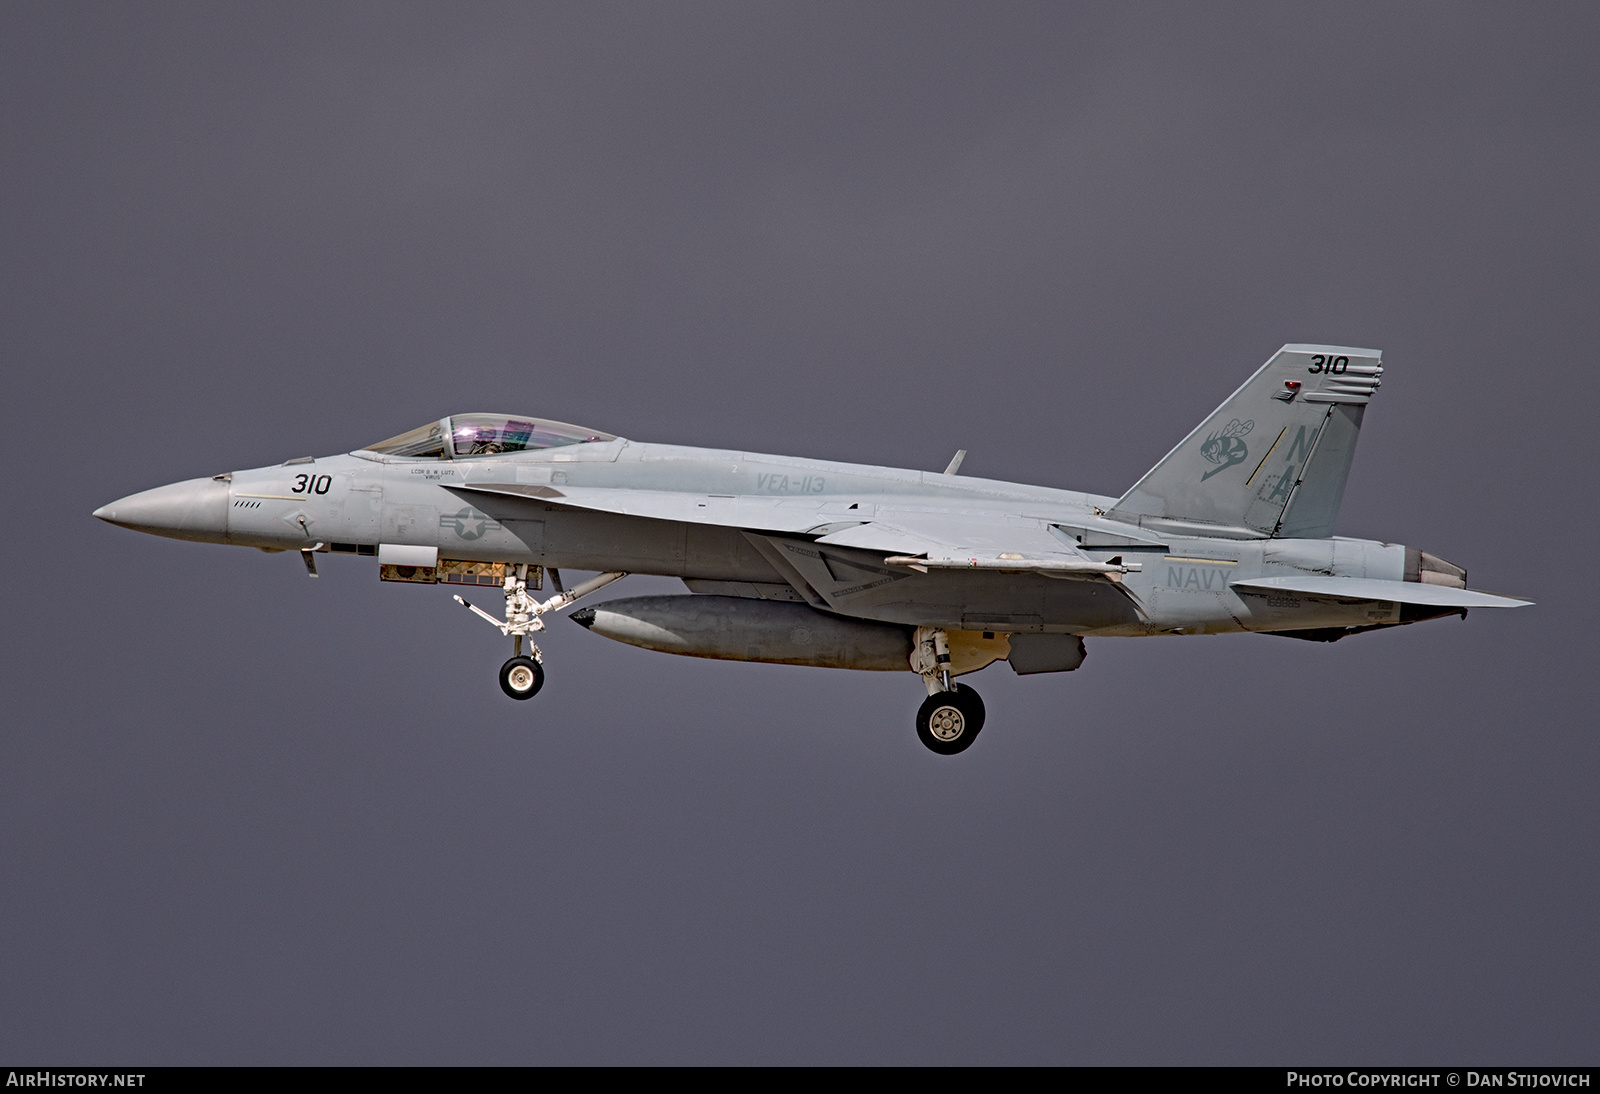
(1366, 588)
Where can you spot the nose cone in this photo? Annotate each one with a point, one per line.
(196, 509)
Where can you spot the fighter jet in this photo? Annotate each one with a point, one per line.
(808, 562)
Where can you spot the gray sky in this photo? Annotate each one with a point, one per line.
(253, 818)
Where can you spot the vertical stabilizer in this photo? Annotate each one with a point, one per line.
(1270, 461)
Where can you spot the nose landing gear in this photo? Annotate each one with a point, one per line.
(522, 677)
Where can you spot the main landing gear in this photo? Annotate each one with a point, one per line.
(522, 677)
(950, 721)
(951, 717)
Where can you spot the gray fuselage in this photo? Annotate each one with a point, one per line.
(355, 501)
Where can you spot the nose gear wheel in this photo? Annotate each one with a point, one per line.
(521, 677)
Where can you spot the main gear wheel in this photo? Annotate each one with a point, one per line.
(949, 721)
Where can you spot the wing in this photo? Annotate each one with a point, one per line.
(915, 535)
(908, 539)
(763, 514)
(972, 541)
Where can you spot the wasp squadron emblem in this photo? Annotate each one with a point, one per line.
(1224, 448)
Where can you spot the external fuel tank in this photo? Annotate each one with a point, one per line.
(733, 628)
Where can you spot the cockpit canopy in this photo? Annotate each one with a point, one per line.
(484, 435)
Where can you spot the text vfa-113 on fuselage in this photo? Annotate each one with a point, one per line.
(809, 562)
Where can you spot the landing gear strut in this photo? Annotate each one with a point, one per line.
(522, 677)
(952, 715)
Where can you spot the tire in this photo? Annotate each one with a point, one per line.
(521, 677)
(950, 721)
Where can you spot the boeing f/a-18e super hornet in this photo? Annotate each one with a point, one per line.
(806, 562)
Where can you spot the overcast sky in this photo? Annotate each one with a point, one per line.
(250, 818)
